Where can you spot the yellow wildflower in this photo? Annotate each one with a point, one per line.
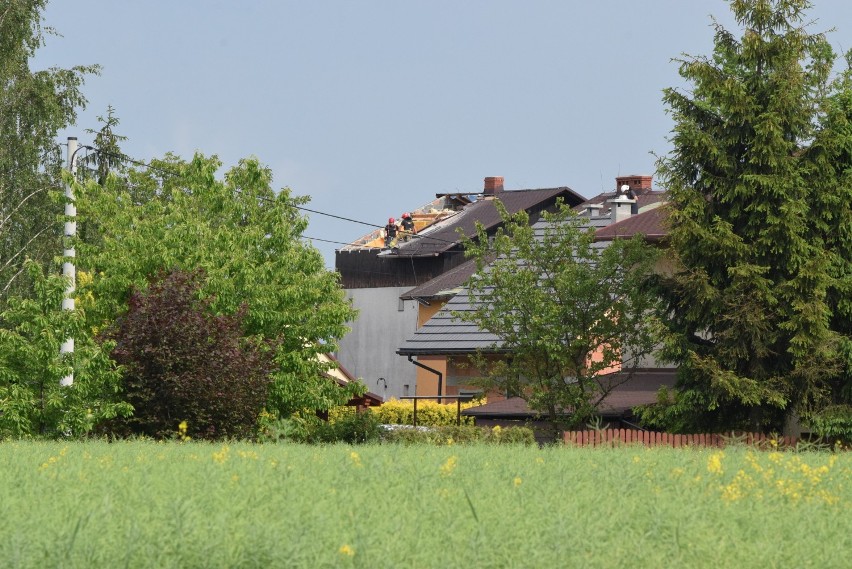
(345, 549)
(356, 460)
(182, 427)
(714, 463)
(448, 467)
(222, 456)
(517, 481)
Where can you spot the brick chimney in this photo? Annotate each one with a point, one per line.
(493, 185)
(639, 184)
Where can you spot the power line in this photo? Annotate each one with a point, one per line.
(125, 158)
(324, 240)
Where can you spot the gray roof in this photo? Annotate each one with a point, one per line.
(444, 235)
(444, 285)
(445, 335)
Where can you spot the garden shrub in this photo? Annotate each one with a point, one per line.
(834, 423)
(182, 363)
(348, 427)
(429, 413)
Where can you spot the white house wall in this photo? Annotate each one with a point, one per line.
(369, 350)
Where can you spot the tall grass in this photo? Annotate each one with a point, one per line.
(139, 504)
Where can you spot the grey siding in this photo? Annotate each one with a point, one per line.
(369, 350)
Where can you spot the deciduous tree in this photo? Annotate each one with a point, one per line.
(246, 238)
(32, 402)
(566, 310)
(34, 106)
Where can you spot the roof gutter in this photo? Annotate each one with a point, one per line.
(427, 368)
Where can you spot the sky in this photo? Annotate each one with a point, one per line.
(373, 107)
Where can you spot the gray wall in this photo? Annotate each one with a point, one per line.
(369, 350)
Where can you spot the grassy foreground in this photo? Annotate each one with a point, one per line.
(240, 505)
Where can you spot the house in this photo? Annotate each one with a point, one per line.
(378, 280)
(445, 343)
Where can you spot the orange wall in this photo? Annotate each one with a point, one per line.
(424, 313)
(427, 382)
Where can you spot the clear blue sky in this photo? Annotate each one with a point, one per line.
(373, 107)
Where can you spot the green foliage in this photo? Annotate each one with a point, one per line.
(34, 106)
(181, 363)
(351, 428)
(32, 402)
(246, 238)
(555, 298)
(758, 308)
(833, 423)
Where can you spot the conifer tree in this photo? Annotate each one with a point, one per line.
(758, 306)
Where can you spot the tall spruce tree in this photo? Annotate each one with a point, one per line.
(759, 305)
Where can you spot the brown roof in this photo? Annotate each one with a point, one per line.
(643, 200)
(651, 224)
(640, 389)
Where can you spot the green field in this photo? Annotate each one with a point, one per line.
(136, 504)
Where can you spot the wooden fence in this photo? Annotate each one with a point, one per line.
(615, 437)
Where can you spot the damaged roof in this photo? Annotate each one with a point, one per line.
(444, 234)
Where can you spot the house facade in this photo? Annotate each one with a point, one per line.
(379, 280)
(446, 343)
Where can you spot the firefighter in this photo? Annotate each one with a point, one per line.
(390, 231)
(407, 226)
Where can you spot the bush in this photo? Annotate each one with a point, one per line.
(182, 363)
(834, 423)
(429, 413)
(32, 401)
(348, 427)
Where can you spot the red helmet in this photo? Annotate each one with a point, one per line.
(406, 215)
(391, 220)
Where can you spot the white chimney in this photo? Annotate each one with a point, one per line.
(594, 209)
(621, 206)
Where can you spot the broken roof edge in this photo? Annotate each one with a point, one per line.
(426, 210)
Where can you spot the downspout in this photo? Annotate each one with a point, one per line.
(427, 368)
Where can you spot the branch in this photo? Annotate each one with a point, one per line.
(22, 249)
(8, 284)
(20, 204)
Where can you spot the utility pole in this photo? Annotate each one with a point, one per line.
(68, 253)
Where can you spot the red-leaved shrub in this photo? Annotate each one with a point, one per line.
(183, 363)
